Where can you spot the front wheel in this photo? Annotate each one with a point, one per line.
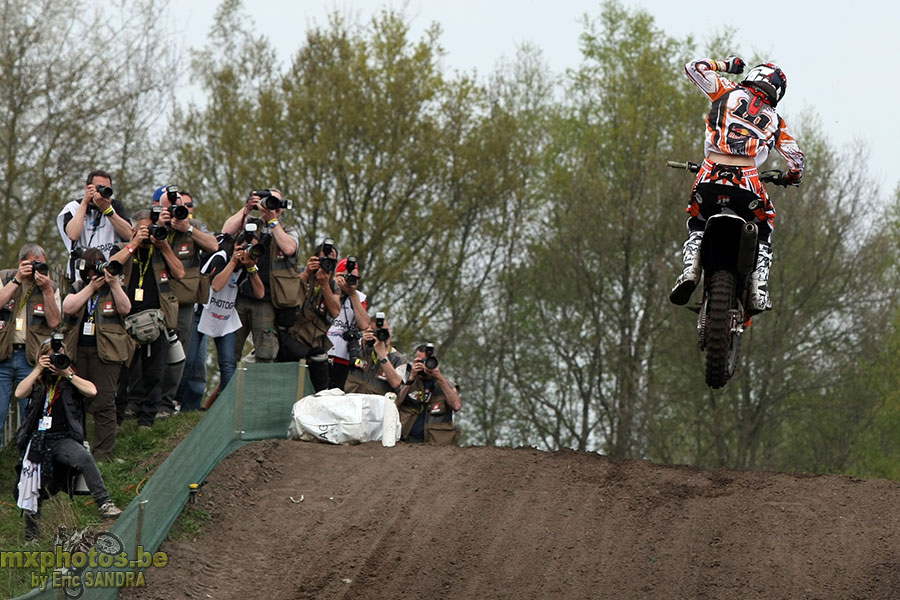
(722, 343)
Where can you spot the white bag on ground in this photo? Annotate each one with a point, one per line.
(335, 417)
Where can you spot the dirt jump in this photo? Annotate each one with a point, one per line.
(293, 520)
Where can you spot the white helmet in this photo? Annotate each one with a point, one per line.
(769, 79)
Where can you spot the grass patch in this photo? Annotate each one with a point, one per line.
(190, 524)
(139, 452)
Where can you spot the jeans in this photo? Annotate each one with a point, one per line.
(227, 363)
(193, 380)
(12, 371)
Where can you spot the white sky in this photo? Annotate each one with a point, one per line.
(840, 58)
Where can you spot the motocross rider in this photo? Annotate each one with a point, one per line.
(741, 128)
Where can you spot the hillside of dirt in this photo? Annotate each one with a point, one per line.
(430, 522)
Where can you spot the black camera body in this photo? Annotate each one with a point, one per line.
(326, 263)
(58, 358)
(157, 231)
(273, 202)
(40, 267)
(352, 337)
(179, 212)
(255, 234)
(431, 361)
(351, 266)
(381, 334)
(104, 191)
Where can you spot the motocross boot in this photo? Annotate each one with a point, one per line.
(759, 281)
(690, 276)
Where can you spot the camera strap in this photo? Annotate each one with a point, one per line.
(143, 266)
(24, 299)
(92, 306)
(53, 392)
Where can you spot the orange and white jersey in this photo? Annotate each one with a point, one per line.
(740, 121)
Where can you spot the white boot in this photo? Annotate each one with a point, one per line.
(690, 276)
(759, 281)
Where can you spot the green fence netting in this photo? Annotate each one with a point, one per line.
(256, 405)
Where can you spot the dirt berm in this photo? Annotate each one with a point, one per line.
(427, 522)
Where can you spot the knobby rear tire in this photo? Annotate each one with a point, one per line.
(718, 329)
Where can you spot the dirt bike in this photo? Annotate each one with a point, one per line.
(728, 257)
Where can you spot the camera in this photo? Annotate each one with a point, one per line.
(157, 231)
(254, 236)
(40, 267)
(272, 202)
(352, 337)
(113, 267)
(351, 266)
(104, 191)
(381, 334)
(326, 263)
(58, 359)
(431, 361)
(172, 194)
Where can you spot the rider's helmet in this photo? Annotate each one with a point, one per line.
(769, 79)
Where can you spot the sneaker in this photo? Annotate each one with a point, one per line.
(144, 427)
(163, 414)
(110, 510)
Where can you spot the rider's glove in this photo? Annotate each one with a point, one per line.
(792, 178)
(732, 64)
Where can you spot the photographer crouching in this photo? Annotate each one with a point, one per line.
(52, 435)
(427, 402)
(93, 313)
(379, 369)
(29, 312)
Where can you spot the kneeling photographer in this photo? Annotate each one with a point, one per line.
(52, 435)
(93, 314)
(379, 369)
(148, 264)
(427, 402)
(306, 333)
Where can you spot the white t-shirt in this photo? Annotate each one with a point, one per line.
(345, 319)
(220, 316)
(98, 232)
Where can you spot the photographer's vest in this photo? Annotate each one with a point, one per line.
(313, 318)
(284, 279)
(113, 344)
(36, 328)
(168, 303)
(193, 287)
(439, 427)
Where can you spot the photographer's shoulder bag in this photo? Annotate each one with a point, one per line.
(144, 327)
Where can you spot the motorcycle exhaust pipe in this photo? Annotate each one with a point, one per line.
(747, 253)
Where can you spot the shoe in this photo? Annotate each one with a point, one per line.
(163, 414)
(130, 414)
(690, 276)
(110, 510)
(145, 427)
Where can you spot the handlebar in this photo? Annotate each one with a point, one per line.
(690, 166)
(774, 176)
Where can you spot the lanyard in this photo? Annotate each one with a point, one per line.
(142, 267)
(51, 396)
(24, 299)
(92, 305)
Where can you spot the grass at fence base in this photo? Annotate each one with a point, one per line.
(140, 452)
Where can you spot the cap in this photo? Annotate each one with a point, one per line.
(158, 193)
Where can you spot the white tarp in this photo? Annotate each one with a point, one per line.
(335, 417)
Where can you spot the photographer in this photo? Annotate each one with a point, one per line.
(149, 263)
(96, 221)
(345, 331)
(93, 317)
(305, 335)
(277, 271)
(29, 311)
(186, 241)
(427, 402)
(219, 318)
(52, 435)
(381, 369)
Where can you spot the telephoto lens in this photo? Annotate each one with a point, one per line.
(104, 191)
(179, 213)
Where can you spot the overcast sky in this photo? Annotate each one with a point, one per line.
(840, 58)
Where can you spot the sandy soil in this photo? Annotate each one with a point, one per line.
(429, 522)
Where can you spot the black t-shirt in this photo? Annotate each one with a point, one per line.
(141, 260)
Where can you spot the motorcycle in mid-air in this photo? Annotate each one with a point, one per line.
(728, 254)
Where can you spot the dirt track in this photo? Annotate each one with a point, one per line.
(426, 522)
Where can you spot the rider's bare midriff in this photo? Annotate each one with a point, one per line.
(732, 159)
